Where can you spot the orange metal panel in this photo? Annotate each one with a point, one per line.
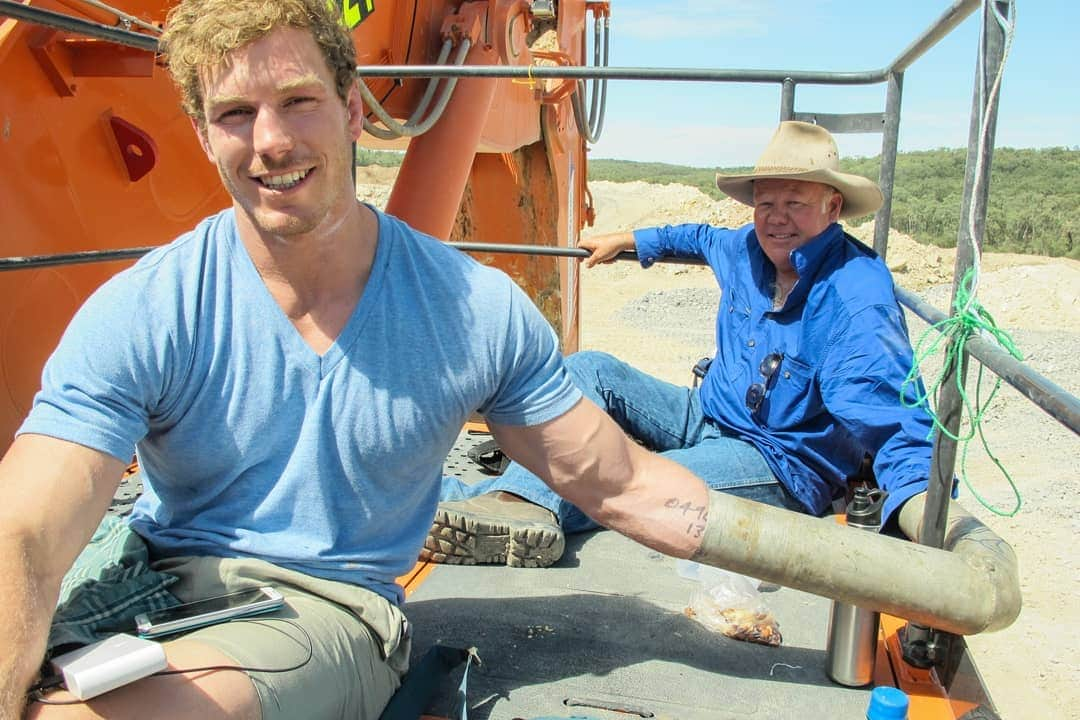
(65, 185)
(929, 698)
(511, 198)
(412, 579)
(96, 154)
(427, 193)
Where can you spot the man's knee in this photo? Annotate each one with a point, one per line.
(587, 359)
(586, 367)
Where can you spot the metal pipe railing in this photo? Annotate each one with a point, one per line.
(952, 17)
(578, 72)
(1055, 400)
(930, 37)
(27, 262)
(972, 223)
(69, 23)
(787, 99)
(890, 138)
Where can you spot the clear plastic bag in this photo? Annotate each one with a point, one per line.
(730, 603)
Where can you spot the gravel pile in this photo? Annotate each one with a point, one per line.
(689, 313)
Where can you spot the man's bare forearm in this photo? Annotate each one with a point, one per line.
(24, 631)
(585, 457)
(666, 507)
(54, 493)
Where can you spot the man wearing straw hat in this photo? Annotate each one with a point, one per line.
(812, 354)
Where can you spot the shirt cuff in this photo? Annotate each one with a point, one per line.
(647, 244)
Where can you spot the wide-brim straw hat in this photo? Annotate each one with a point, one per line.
(802, 151)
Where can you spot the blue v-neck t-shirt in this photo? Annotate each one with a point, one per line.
(253, 445)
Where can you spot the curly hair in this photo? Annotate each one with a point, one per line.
(200, 34)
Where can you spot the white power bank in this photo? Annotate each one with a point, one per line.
(108, 664)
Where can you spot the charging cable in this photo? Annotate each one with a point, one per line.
(36, 691)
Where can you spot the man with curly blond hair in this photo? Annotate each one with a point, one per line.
(265, 369)
(202, 35)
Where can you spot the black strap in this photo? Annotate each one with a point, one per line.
(412, 698)
(701, 369)
(489, 456)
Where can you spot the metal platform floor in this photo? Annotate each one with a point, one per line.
(605, 627)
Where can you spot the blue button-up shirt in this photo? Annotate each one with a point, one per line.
(846, 353)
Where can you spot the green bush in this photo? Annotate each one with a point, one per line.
(385, 158)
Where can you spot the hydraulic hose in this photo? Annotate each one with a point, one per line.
(591, 128)
(414, 125)
(969, 587)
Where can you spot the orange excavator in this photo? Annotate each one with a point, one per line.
(95, 154)
(98, 164)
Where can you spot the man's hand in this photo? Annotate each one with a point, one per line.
(605, 248)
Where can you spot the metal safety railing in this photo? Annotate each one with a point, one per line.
(69, 23)
(1058, 403)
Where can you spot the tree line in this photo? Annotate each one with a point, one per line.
(1034, 204)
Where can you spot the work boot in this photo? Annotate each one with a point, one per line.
(494, 528)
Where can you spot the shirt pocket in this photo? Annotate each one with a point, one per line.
(794, 398)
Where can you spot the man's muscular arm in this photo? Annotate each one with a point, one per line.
(52, 495)
(585, 457)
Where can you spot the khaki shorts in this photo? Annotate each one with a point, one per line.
(359, 640)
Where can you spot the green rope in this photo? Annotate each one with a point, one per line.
(954, 331)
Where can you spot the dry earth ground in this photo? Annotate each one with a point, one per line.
(661, 320)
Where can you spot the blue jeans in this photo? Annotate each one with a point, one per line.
(663, 417)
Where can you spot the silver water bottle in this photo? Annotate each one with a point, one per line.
(852, 636)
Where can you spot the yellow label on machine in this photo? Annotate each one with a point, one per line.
(354, 12)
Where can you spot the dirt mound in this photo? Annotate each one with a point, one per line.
(374, 182)
(625, 206)
(1040, 296)
(914, 266)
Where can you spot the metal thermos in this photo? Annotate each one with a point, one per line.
(852, 635)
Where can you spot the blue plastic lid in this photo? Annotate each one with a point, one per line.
(887, 703)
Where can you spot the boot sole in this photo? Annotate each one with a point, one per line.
(458, 538)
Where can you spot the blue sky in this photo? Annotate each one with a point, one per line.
(724, 124)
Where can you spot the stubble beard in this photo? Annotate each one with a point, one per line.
(282, 225)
